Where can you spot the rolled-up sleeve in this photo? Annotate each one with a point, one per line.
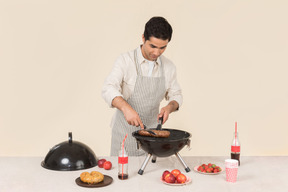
(113, 83)
(174, 91)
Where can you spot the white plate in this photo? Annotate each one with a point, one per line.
(189, 180)
(196, 167)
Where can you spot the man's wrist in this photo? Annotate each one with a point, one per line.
(173, 106)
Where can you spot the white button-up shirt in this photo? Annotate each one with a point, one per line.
(122, 79)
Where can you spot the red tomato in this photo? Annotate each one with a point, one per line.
(175, 172)
(107, 165)
(164, 174)
(209, 170)
(181, 178)
(169, 178)
(201, 169)
(101, 163)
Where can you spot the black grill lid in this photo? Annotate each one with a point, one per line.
(70, 155)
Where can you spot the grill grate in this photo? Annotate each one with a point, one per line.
(175, 135)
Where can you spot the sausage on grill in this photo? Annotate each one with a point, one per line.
(159, 133)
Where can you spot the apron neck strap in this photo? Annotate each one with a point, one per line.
(139, 72)
(138, 68)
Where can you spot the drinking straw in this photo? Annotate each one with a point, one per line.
(123, 152)
(124, 141)
(235, 131)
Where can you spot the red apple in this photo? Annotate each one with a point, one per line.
(181, 178)
(107, 165)
(169, 178)
(101, 163)
(164, 174)
(175, 172)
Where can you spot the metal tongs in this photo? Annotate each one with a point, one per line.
(149, 131)
(159, 126)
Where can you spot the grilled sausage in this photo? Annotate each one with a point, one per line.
(159, 133)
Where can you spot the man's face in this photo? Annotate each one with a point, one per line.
(153, 48)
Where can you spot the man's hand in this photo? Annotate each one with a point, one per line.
(165, 111)
(130, 114)
(132, 117)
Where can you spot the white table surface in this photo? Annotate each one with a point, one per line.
(256, 174)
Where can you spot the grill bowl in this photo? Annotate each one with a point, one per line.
(163, 147)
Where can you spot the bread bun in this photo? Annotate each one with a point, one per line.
(92, 178)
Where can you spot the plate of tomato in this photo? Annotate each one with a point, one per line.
(208, 169)
(188, 180)
(175, 177)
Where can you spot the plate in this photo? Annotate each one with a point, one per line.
(107, 181)
(196, 167)
(189, 180)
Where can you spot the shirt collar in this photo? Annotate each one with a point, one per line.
(141, 59)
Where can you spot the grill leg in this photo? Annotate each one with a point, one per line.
(141, 170)
(154, 159)
(187, 169)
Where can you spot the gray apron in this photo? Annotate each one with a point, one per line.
(145, 100)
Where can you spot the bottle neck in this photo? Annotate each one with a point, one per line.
(122, 151)
(235, 146)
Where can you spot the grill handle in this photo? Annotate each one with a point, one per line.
(188, 144)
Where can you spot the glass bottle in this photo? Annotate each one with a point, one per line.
(235, 146)
(122, 163)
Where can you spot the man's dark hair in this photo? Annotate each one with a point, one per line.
(158, 27)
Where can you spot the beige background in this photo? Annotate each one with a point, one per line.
(231, 57)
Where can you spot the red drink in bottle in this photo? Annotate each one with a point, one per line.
(235, 146)
(123, 163)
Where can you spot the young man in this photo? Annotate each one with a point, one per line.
(138, 82)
